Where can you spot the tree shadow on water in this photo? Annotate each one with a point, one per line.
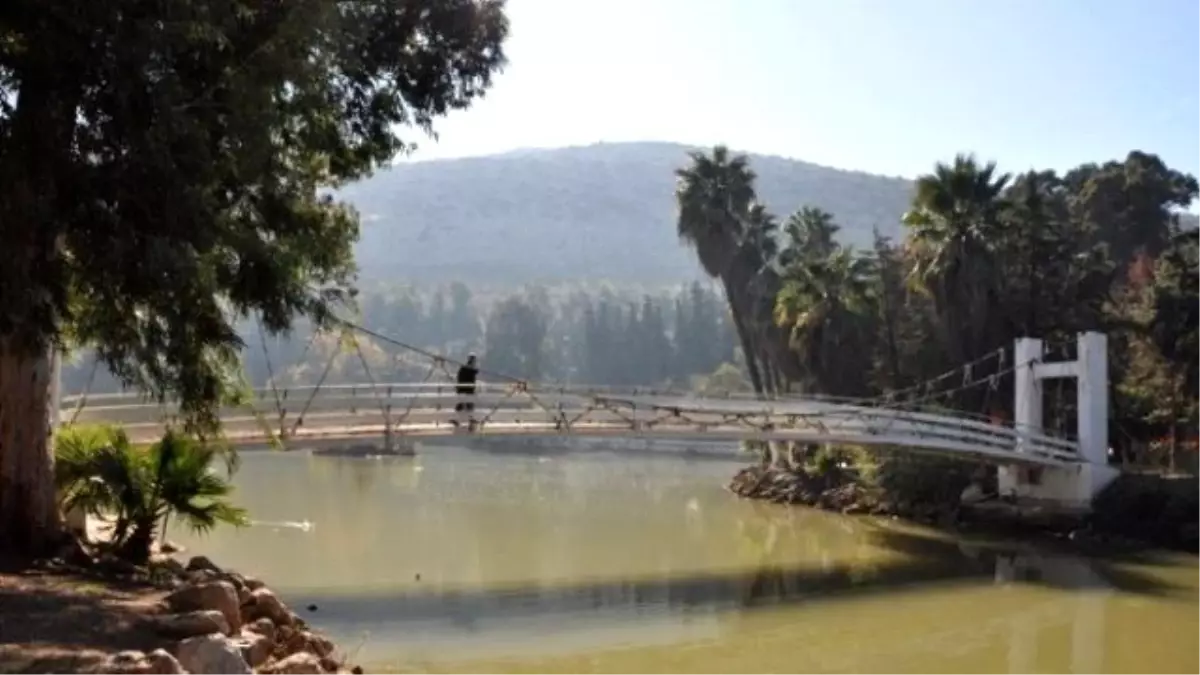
(925, 562)
(1050, 566)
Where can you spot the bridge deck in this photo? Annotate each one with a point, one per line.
(425, 413)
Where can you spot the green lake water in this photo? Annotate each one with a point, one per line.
(518, 560)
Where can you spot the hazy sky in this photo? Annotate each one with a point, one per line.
(887, 86)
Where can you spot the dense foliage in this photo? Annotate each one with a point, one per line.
(986, 257)
(165, 167)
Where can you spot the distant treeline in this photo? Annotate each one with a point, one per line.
(609, 335)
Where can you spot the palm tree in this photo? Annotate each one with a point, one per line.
(756, 273)
(711, 194)
(821, 305)
(98, 470)
(714, 196)
(810, 234)
(951, 224)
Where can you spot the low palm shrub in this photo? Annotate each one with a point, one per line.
(99, 471)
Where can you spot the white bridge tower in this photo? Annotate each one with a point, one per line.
(1072, 487)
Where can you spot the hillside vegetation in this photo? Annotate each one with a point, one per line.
(598, 212)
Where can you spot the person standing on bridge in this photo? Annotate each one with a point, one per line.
(465, 388)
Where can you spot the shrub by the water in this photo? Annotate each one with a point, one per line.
(99, 471)
(1151, 508)
(859, 479)
(910, 480)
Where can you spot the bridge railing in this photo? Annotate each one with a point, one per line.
(368, 390)
(291, 397)
(833, 419)
(428, 407)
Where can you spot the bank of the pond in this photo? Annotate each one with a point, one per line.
(834, 491)
(1136, 510)
(78, 614)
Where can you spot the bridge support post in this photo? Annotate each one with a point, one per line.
(1027, 409)
(389, 441)
(1073, 487)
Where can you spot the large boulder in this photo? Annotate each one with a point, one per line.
(157, 662)
(191, 624)
(218, 595)
(255, 647)
(128, 662)
(267, 604)
(245, 597)
(318, 644)
(263, 626)
(169, 566)
(201, 576)
(301, 663)
(200, 562)
(162, 663)
(214, 654)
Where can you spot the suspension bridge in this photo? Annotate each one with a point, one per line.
(1033, 463)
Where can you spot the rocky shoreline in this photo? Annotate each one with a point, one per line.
(798, 487)
(218, 621)
(1129, 515)
(830, 494)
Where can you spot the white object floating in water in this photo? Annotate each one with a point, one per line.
(304, 525)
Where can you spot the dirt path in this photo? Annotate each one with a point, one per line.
(58, 621)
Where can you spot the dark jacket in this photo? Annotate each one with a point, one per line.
(466, 379)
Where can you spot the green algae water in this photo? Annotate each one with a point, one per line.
(471, 560)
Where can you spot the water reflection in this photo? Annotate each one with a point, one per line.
(460, 560)
(936, 563)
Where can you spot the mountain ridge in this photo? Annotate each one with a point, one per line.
(600, 211)
(604, 211)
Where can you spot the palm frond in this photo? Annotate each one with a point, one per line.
(100, 471)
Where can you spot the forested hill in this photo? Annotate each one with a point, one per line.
(598, 212)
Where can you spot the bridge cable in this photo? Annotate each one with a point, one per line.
(370, 378)
(87, 388)
(412, 400)
(969, 382)
(313, 393)
(925, 386)
(262, 341)
(417, 350)
(991, 380)
(520, 383)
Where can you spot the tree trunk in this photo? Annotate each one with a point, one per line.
(39, 137)
(743, 334)
(748, 353)
(893, 349)
(781, 455)
(1174, 447)
(136, 549)
(768, 373)
(29, 519)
